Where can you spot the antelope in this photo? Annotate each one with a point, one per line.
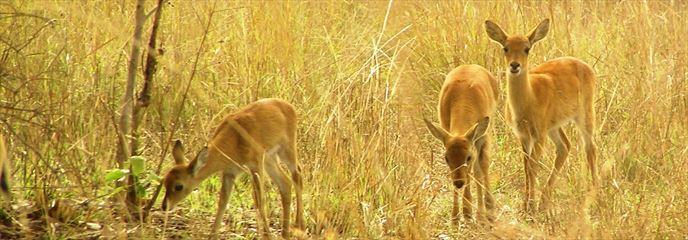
(4, 169)
(541, 101)
(468, 99)
(248, 140)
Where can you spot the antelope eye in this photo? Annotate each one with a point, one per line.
(506, 50)
(527, 50)
(469, 159)
(178, 187)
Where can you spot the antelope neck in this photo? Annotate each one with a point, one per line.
(519, 90)
(209, 169)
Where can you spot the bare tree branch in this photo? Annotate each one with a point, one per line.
(144, 96)
(128, 100)
(151, 67)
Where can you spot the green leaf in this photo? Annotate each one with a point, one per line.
(117, 190)
(114, 175)
(137, 166)
(140, 191)
(154, 177)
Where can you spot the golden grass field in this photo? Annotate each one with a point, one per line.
(362, 75)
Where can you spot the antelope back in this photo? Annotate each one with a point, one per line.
(467, 100)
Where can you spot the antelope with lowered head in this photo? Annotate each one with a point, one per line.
(468, 99)
(541, 101)
(249, 140)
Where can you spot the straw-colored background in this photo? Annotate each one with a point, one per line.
(361, 76)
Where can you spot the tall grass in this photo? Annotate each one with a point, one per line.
(362, 75)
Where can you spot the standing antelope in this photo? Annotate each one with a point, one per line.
(542, 100)
(250, 139)
(467, 100)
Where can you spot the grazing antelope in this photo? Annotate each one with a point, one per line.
(542, 100)
(249, 139)
(4, 169)
(467, 100)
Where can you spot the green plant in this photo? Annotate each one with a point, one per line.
(144, 179)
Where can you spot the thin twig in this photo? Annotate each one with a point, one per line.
(144, 97)
(181, 104)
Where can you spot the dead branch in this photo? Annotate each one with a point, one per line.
(144, 96)
(127, 102)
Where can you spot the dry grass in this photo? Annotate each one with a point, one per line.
(361, 78)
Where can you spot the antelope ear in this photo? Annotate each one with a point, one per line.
(437, 131)
(495, 32)
(478, 130)
(178, 153)
(539, 32)
(199, 162)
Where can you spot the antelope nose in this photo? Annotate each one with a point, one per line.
(515, 65)
(459, 183)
